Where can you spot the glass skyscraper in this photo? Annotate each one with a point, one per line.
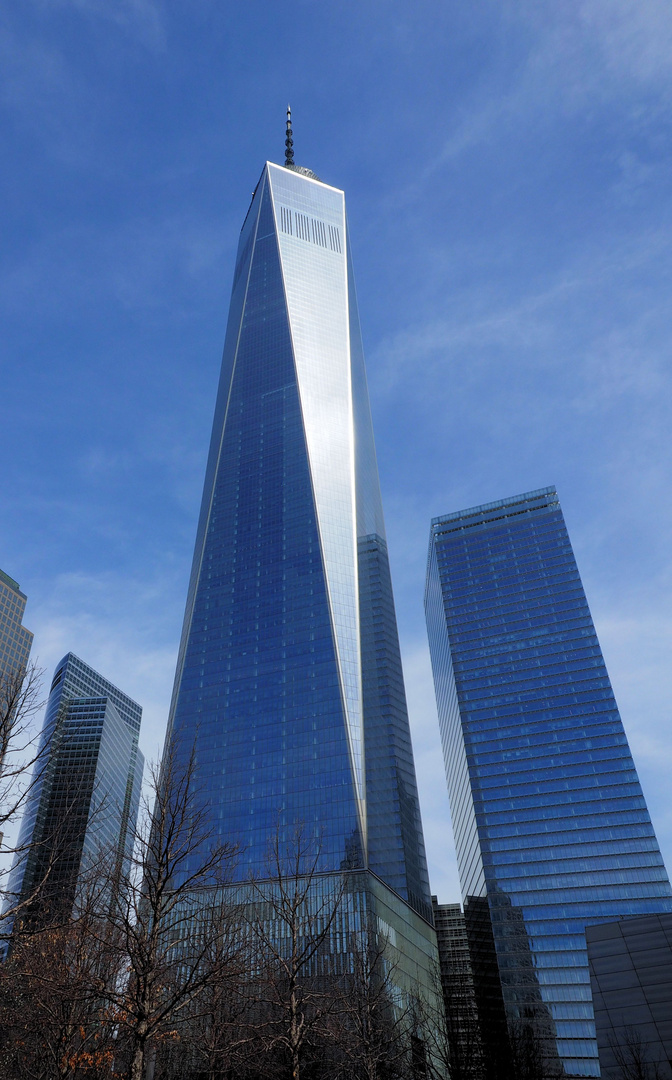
(15, 645)
(548, 814)
(463, 1035)
(84, 801)
(289, 684)
(15, 640)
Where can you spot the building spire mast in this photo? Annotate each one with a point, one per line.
(289, 142)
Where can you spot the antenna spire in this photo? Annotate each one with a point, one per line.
(289, 142)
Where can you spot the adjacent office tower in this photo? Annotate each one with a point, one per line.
(84, 801)
(549, 818)
(289, 684)
(15, 640)
(15, 645)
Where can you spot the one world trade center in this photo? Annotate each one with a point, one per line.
(289, 686)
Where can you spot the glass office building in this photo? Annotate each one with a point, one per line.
(85, 796)
(463, 1023)
(15, 646)
(289, 683)
(15, 640)
(548, 814)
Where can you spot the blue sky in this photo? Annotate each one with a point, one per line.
(507, 170)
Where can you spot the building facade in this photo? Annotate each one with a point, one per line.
(15, 640)
(15, 645)
(550, 823)
(631, 978)
(463, 1026)
(289, 685)
(84, 801)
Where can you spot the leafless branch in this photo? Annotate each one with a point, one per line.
(166, 912)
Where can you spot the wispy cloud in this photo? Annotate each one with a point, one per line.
(634, 37)
(580, 57)
(567, 382)
(127, 628)
(568, 328)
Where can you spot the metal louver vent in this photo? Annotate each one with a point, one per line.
(314, 231)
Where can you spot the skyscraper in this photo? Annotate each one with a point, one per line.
(463, 1024)
(84, 800)
(15, 645)
(289, 684)
(15, 640)
(549, 818)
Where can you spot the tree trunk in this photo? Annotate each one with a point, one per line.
(137, 1062)
(294, 1036)
(151, 1062)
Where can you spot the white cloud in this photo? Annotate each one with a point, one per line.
(566, 384)
(584, 52)
(581, 55)
(126, 628)
(569, 338)
(634, 36)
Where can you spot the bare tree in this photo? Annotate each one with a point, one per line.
(633, 1058)
(292, 917)
(450, 1022)
(53, 1018)
(22, 760)
(20, 700)
(533, 1046)
(376, 1023)
(165, 913)
(215, 1036)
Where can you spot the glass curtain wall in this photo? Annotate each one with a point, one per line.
(549, 817)
(289, 687)
(85, 797)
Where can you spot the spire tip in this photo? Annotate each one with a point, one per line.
(289, 141)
